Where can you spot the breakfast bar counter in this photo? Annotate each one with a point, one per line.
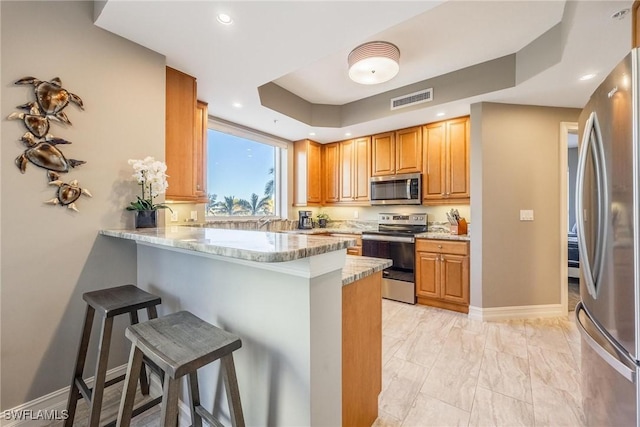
(281, 293)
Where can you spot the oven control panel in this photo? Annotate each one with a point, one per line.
(405, 219)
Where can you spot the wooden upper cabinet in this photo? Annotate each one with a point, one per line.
(307, 172)
(185, 139)
(446, 162)
(383, 154)
(347, 154)
(409, 150)
(361, 169)
(635, 28)
(331, 168)
(457, 163)
(397, 152)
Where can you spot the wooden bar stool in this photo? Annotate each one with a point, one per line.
(180, 344)
(108, 303)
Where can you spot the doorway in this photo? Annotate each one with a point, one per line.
(568, 281)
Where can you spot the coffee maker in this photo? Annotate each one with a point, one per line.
(304, 220)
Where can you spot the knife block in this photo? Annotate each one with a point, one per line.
(461, 228)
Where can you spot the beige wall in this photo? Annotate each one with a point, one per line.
(518, 147)
(51, 255)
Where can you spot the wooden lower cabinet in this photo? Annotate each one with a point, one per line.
(361, 350)
(442, 274)
(352, 250)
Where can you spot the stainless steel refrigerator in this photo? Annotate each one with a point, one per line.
(607, 205)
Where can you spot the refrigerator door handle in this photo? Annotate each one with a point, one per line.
(592, 139)
(613, 360)
(582, 243)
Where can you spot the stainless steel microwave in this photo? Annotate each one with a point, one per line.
(401, 189)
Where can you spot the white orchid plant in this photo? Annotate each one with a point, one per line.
(152, 177)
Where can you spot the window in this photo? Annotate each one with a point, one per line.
(243, 169)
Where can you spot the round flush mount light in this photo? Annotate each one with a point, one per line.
(620, 14)
(225, 19)
(374, 62)
(440, 114)
(237, 105)
(587, 77)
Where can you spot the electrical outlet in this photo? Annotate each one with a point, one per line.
(356, 214)
(174, 216)
(194, 215)
(526, 215)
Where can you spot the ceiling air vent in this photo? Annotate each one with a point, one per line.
(414, 98)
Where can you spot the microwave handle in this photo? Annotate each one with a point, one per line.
(408, 188)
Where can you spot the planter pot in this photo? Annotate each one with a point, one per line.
(146, 219)
(322, 223)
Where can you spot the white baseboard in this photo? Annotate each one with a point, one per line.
(56, 402)
(516, 312)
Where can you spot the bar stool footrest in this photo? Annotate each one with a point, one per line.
(139, 410)
(206, 415)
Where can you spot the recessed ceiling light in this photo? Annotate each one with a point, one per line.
(237, 105)
(312, 134)
(587, 77)
(225, 19)
(620, 14)
(440, 114)
(347, 134)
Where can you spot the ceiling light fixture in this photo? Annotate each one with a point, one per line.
(225, 19)
(587, 77)
(237, 105)
(440, 114)
(312, 134)
(620, 14)
(347, 134)
(374, 62)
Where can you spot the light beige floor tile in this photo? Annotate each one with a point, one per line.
(507, 339)
(403, 322)
(396, 399)
(556, 408)
(390, 308)
(554, 369)
(452, 381)
(425, 343)
(390, 346)
(495, 409)
(472, 325)
(386, 420)
(547, 333)
(427, 411)
(390, 371)
(506, 374)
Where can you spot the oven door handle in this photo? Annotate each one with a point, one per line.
(383, 238)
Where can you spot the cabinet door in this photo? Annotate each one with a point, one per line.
(383, 154)
(409, 150)
(361, 169)
(180, 135)
(200, 150)
(455, 278)
(314, 171)
(331, 173)
(457, 161)
(428, 274)
(346, 170)
(433, 182)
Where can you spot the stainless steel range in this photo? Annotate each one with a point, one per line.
(395, 240)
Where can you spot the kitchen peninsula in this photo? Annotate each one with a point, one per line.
(283, 294)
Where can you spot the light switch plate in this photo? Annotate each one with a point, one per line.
(526, 215)
(356, 214)
(174, 216)
(194, 215)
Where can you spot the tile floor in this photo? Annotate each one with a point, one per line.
(442, 369)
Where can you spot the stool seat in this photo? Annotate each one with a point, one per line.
(120, 299)
(181, 342)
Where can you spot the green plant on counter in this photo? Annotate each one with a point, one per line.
(323, 215)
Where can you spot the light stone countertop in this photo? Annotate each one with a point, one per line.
(359, 267)
(256, 246)
(443, 236)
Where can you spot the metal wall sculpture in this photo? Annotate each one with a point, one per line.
(42, 148)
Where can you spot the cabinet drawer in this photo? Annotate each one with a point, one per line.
(442, 246)
(353, 236)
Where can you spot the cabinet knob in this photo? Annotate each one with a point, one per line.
(439, 246)
(197, 186)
